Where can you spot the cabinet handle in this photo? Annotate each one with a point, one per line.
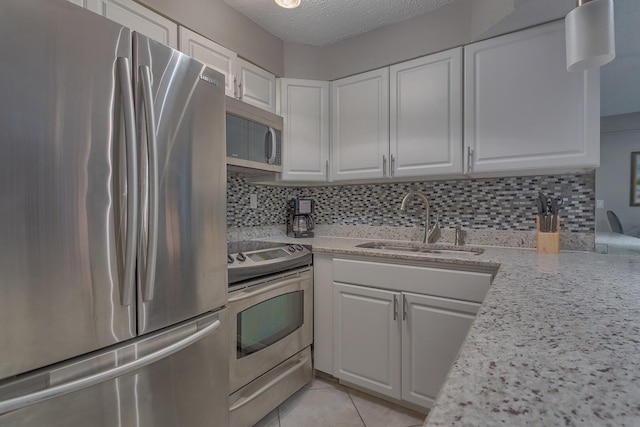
(235, 87)
(392, 166)
(395, 307)
(326, 169)
(469, 158)
(384, 165)
(404, 307)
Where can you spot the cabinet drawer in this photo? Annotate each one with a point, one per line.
(460, 285)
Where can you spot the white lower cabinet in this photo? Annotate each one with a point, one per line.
(388, 336)
(432, 333)
(323, 313)
(367, 338)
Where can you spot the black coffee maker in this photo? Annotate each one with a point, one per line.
(299, 217)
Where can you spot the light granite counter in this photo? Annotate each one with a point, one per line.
(556, 341)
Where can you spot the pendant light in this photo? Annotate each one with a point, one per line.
(590, 37)
(288, 4)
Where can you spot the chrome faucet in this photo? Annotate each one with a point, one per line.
(430, 234)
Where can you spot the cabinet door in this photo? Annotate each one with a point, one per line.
(366, 337)
(79, 2)
(433, 331)
(322, 313)
(138, 18)
(215, 56)
(304, 106)
(426, 115)
(257, 86)
(360, 126)
(524, 110)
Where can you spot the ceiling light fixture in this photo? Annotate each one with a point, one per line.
(590, 36)
(288, 4)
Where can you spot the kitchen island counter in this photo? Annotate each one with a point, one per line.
(555, 342)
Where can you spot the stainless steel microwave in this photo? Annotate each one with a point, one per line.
(254, 137)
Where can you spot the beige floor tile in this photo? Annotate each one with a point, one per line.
(321, 407)
(270, 420)
(318, 382)
(380, 413)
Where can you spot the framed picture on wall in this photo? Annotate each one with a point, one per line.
(635, 178)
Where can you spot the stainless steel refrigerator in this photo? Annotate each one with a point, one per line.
(113, 283)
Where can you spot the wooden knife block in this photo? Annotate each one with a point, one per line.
(547, 243)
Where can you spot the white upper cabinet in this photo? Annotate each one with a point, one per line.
(523, 110)
(426, 115)
(243, 80)
(212, 54)
(82, 3)
(360, 126)
(256, 86)
(304, 106)
(138, 18)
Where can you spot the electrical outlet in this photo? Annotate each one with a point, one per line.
(253, 201)
(599, 204)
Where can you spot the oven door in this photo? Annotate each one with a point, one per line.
(270, 322)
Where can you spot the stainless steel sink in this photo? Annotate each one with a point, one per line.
(421, 248)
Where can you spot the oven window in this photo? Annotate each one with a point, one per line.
(268, 322)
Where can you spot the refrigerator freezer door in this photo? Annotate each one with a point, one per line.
(63, 186)
(187, 387)
(182, 257)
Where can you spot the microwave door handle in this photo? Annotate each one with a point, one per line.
(152, 146)
(124, 77)
(272, 158)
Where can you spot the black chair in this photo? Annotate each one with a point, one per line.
(614, 222)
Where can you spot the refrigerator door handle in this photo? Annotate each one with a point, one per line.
(124, 77)
(152, 150)
(15, 403)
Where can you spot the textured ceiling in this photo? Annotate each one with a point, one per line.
(322, 22)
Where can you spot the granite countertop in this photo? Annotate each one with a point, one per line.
(556, 341)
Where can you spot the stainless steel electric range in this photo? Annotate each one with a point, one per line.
(271, 316)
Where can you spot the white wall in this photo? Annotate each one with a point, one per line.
(443, 28)
(620, 136)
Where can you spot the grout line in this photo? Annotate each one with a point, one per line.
(355, 406)
(278, 413)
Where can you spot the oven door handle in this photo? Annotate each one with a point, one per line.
(250, 293)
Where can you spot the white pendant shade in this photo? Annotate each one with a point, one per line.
(590, 35)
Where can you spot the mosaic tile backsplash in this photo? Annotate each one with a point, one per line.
(479, 204)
